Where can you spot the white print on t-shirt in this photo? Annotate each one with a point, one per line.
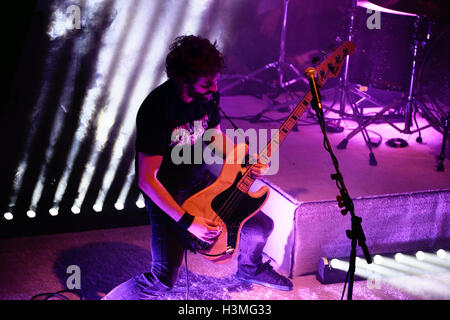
(189, 133)
(186, 151)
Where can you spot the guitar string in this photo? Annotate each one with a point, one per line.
(227, 208)
(224, 211)
(232, 201)
(227, 214)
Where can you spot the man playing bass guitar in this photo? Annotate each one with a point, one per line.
(176, 115)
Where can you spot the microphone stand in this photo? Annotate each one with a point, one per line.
(356, 234)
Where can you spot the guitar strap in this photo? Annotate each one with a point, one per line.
(226, 116)
(231, 121)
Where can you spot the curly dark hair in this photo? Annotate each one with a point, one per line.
(192, 57)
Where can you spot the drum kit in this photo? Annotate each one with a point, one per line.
(394, 61)
(425, 15)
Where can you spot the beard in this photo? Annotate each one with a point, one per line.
(200, 97)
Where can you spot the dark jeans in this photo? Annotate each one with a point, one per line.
(169, 242)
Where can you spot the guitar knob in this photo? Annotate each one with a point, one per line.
(229, 250)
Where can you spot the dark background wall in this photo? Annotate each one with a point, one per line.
(250, 39)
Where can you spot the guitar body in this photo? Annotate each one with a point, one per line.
(224, 203)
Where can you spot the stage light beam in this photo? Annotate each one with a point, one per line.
(108, 115)
(441, 253)
(399, 257)
(8, 216)
(97, 207)
(434, 259)
(420, 255)
(31, 214)
(404, 268)
(140, 203)
(119, 206)
(107, 68)
(424, 266)
(126, 186)
(377, 259)
(75, 210)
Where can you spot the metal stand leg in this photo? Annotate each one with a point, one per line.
(346, 88)
(441, 157)
(279, 65)
(344, 80)
(412, 104)
(361, 128)
(411, 98)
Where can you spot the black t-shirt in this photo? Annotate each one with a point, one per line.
(167, 126)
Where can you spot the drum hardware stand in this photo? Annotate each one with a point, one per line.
(441, 157)
(281, 65)
(345, 87)
(412, 106)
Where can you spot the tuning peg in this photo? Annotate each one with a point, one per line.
(331, 67)
(322, 74)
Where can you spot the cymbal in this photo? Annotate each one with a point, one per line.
(372, 6)
(429, 8)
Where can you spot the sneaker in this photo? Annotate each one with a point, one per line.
(266, 276)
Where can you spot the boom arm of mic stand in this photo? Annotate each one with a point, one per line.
(356, 234)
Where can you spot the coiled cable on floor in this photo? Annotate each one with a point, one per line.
(58, 294)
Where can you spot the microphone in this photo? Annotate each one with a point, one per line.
(310, 73)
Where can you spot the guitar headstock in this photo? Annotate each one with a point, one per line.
(331, 66)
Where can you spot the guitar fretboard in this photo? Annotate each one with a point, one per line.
(328, 68)
(274, 144)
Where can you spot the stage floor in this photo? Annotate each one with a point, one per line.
(39, 264)
(33, 265)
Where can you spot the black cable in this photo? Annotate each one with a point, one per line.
(187, 275)
(345, 285)
(58, 294)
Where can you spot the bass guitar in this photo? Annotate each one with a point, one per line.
(228, 201)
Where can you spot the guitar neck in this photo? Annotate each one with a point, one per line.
(275, 142)
(286, 127)
(330, 67)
